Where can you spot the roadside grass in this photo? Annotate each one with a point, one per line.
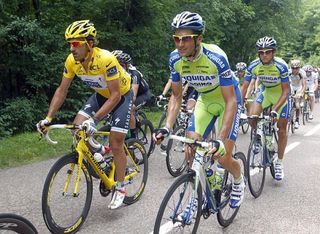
(26, 148)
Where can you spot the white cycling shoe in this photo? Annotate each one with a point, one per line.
(117, 198)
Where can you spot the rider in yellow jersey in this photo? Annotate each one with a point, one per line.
(206, 68)
(272, 73)
(100, 70)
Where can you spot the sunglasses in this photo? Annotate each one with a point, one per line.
(295, 68)
(76, 43)
(184, 38)
(267, 52)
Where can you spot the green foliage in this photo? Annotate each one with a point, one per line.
(33, 49)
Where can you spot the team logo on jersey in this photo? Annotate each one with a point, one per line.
(112, 71)
(226, 74)
(65, 70)
(94, 67)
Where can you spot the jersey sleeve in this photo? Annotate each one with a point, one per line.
(284, 71)
(175, 75)
(68, 71)
(112, 67)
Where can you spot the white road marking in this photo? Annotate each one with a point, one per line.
(312, 131)
(292, 146)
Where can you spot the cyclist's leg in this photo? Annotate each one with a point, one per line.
(282, 123)
(312, 103)
(119, 128)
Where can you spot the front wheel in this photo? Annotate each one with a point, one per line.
(137, 170)
(256, 169)
(173, 215)
(63, 210)
(16, 224)
(175, 154)
(226, 214)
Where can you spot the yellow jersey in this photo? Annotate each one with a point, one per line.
(103, 67)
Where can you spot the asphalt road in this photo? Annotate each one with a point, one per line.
(288, 207)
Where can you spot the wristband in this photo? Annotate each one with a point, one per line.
(49, 119)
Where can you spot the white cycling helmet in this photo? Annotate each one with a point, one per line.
(241, 66)
(188, 20)
(307, 68)
(296, 63)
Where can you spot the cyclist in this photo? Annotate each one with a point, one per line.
(140, 87)
(206, 68)
(297, 81)
(311, 86)
(240, 71)
(100, 70)
(272, 73)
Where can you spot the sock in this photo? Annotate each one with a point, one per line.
(120, 185)
(238, 180)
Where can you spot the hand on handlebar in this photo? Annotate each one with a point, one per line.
(218, 149)
(42, 124)
(159, 134)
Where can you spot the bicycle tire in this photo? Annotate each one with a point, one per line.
(178, 206)
(48, 197)
(223, 195)
(139, 158)
(256, 183)
(141, 115)
(175, 154)
(145, 130)
(272, 171)
(16, 223)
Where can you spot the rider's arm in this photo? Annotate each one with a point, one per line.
(135, 88)
(185, 89)
(59, 96)
(167, 87)
(230, 110)
(174, 104)
(112, 101)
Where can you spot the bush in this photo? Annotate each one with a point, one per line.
(18, 115)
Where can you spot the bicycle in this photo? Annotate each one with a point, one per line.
(293, 115)
(175, 151)
(195, 186)
(306, 107)
(244, 123)
(16, 223)
(68, 188)
(144, 130)
(262, 152)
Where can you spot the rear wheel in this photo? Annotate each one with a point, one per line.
(137, 166)
(226, 214)
(144, 134)
(178, 197)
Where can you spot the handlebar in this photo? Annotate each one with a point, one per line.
(203, 144)
(59, 126)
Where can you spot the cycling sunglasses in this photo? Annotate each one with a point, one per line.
(76, 43)
(184, 38)
(267, 52)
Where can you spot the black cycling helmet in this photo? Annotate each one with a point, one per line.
(122, 57)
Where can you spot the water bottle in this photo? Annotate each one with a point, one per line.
(103, 164)
(210, 176)
(268, 138)
(218, 176)
(97, 147)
